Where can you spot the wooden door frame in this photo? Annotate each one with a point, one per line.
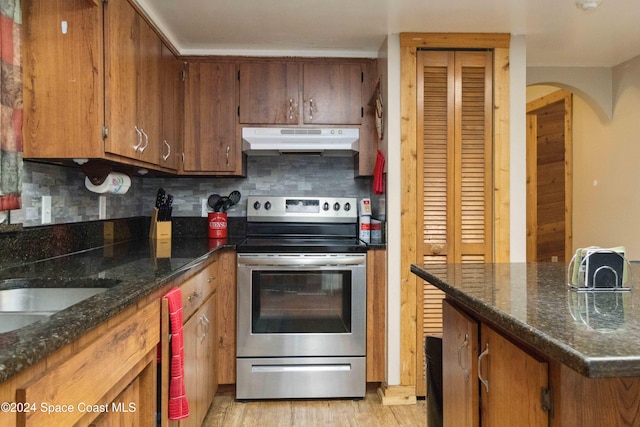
(532, 175)
(411, 289)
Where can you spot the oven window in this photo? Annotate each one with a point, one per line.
(301, 302)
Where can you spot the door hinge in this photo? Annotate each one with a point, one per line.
(362, 77)
(238, 111)
(183, 75)
(547, 401)
(105, 132)
(361, 112)
(238, 75)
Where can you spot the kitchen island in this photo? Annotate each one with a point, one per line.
(544, 355)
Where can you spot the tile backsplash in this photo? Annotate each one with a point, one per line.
(278, 175)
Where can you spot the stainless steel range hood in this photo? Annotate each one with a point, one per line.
(299, 140)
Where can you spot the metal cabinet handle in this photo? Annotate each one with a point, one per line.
(482, 355)
(135, 147)
(310, 108)
(211, 279)
(228, 150)
(464, 344)
(205, 325)
(146, 137)
(193, 296)
(166, 156)
(290, 109)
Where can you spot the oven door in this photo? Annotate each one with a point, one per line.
(294, 305)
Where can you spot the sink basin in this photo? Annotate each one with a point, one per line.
(33, 300)
(25, 301)
(13, 321)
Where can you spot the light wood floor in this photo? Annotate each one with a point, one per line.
(368, 412)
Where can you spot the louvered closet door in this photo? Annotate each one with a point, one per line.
(455, 127)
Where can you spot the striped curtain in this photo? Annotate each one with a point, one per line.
(10, 105)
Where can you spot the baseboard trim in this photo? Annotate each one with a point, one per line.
(397, 394)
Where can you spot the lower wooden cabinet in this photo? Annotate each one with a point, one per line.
(199, 305)
(376, 314)
(459, 368)
(199, 364)
(226, 319)
(107, 378)
(512, 382)
(123, 411)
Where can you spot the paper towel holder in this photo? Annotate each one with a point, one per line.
(96, 172)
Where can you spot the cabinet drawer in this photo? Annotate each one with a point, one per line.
(197, 289)
(88, 376)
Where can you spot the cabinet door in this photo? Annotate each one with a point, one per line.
(459, 368)
(269, 93)
(207, 355)
(192, 331)
(226, 295)
(513, 394)
(63, 76)
(332, 94)
(199, 375)
(376, 314)
(149, 101)
(121, 47)
(122, 412)
(172, 117)
(211, 142)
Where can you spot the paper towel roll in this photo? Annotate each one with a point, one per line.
(115, 183)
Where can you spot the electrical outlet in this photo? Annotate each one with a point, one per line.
(102, 207)
(46, 209)
(205, 210)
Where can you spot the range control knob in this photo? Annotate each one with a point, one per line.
(325, 207)
(336, 206)
(267, 205)
(256, 205)
(347, 206)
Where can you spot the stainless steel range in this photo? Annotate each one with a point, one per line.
(301, 300)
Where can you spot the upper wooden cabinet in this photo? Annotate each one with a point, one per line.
(270, 92)
(92, 83)
(332, 94)
(63, 75)
(301, 93)
(133, 111)
(212, 142)
(172, 83)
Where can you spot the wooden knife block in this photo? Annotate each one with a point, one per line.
(159, 229)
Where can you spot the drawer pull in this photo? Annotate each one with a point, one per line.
(482, 356)
(193, 296)
(464, 344)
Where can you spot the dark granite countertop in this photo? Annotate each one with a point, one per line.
(596, 334)
(129, 268)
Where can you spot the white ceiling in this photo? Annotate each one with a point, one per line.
(557, 33)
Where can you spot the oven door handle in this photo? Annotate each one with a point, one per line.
(301, 261)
